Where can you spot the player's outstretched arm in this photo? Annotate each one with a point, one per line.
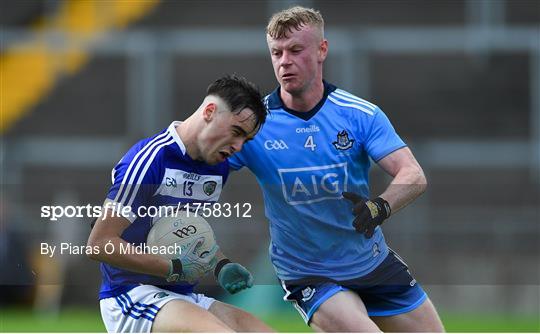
(106, 236)
(409, 180)
(108, 231)
(232, 277)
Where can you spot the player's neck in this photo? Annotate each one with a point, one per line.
(303, 101)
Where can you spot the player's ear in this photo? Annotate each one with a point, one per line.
(209, 111)
(323, 50)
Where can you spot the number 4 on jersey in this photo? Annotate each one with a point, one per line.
(310, 143)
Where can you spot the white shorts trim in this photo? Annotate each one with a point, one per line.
(135, 310)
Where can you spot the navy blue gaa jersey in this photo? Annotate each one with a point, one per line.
(156, 172)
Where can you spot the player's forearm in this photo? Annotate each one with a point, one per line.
(128, 259)
(408, 184)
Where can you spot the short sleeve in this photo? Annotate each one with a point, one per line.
(135, 179)
(381, 138)
(236, 161)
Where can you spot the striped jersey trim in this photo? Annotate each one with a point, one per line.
(176, 136)
(145, 169)
(138, 167)
(136, 310)
(354, 97)
(124, 182)
(354, 100)
(354, 105)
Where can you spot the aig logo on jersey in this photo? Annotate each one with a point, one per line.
(313, 184)
(277, 144)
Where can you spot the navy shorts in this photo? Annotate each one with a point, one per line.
(388, 290)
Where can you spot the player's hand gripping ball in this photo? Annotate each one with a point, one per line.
(194, 265)
(193, 236)
(233, 277)
(368, 213)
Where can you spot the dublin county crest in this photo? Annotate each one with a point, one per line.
(209, 187)
(343, 142)
(308, 293)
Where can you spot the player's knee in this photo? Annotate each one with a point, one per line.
(344, 322)
(238, 319)
(431, 317)
(181, 316)
(246, 322)
(343, 312)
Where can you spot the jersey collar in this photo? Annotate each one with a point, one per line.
(172, 131)
(274, 102)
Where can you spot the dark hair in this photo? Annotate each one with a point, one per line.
(239, 94)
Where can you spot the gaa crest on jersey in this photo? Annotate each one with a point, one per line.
(209, 187)
(343, 141)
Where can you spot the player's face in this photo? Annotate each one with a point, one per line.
(297, 58)
(225, 134)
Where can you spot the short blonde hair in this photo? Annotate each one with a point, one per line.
(283, 22)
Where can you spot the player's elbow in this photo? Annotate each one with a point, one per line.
(97, 247)
(93, 256)
(91, 244)
(421, 180)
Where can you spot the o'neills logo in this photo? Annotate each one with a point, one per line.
(311, 128)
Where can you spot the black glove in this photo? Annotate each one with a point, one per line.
(369, 213)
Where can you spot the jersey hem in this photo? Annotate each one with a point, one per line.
(116, 291)
(383, 256)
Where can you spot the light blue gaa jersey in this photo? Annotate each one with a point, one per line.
(156, 172)
(303, 162)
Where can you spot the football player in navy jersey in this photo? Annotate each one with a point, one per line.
(146, 292)
(327, 246)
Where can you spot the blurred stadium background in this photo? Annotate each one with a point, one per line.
(81, 81)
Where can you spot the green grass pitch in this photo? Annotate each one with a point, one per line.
(89, 320)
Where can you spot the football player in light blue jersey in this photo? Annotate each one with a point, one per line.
(185, 163)
(312, 161)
